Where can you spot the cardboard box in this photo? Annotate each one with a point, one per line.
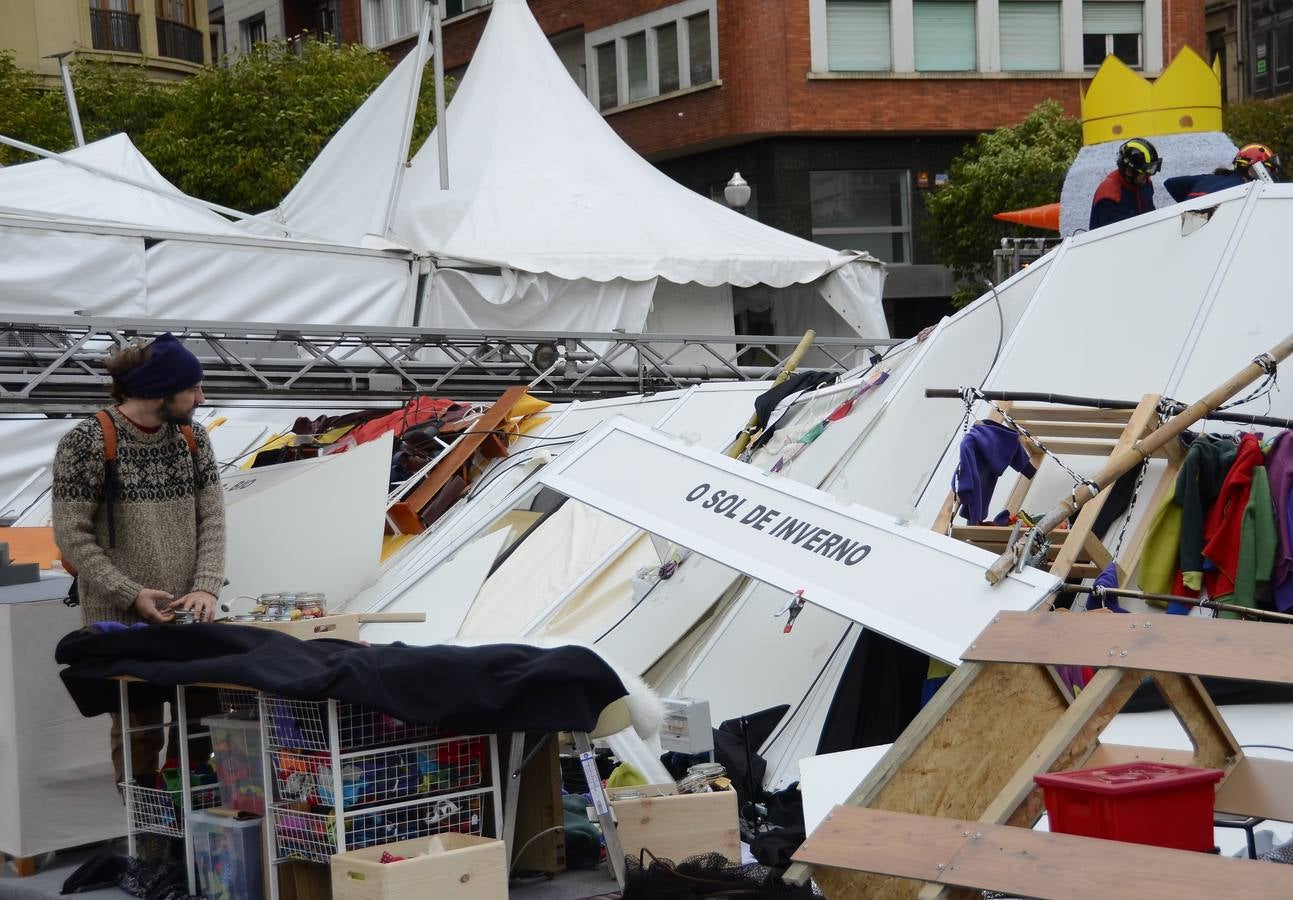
(446, 867)
(680, 826)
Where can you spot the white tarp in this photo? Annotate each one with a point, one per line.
(844, 557)
(44, 271)
(522, 301)
(53, 187)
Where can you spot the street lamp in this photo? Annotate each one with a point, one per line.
(737, 192)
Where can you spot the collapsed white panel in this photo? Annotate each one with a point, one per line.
(521, 301)
(846, 558)
(312, 525)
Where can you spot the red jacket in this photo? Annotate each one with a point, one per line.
(1222, 530)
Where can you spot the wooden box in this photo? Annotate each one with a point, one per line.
(446, 867)
(680, 826)
(341, 626)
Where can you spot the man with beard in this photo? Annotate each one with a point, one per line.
(144, 532)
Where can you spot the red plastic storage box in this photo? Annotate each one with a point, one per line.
(1139, 802)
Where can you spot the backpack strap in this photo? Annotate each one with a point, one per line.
(187, 431)
(111, 481)
(109, 435)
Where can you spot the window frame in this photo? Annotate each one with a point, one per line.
(677, 14)
(889, 63)
(1059, 35)
(904, 229)
(373, 11)
(1142, 42)
(245, 26)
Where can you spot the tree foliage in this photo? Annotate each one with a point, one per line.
(1010, 168)
(240, 136)
(1268, 122)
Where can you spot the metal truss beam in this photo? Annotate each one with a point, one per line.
(54, 364)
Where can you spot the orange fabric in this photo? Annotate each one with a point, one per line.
(31, 545)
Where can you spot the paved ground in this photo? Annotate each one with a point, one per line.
(49, 879)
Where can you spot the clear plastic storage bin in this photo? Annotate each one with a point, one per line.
(227, 856)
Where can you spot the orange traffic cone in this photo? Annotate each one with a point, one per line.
(1045, 217)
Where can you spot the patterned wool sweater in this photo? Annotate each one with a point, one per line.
(169, 517)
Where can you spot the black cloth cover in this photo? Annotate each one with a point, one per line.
(484, 689)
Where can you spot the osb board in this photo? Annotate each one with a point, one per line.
(1026, 863)
(1225, 648)
(971, 746)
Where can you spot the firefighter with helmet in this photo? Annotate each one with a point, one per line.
(1127, 191)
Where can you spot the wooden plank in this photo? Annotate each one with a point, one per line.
(1025, 863)
(1188, 645)
(1069, 414)
(952, 760)
(997, 534)
(1256, 786)
(455, 460)
(1100, 430)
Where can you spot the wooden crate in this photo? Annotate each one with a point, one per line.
(342, 627)
(446, 867)
(680, 826)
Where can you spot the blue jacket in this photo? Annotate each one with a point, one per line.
(987, 450)
(1117, 198)
(1183, 187)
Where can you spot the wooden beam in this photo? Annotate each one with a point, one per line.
(406, 514)
(1025, 863)
(1026, 413)
(1214, 746)
(1187, 645)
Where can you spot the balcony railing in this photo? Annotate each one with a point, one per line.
(112, 29)
(179, 41)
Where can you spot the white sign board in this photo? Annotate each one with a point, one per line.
(923, 589)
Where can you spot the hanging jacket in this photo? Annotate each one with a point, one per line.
(1279, 469)
(1257, 545)
(1160, 554)
(1117, 198)
(1183, 187)
(1197, 486)
(1223, 529)
(987, 450)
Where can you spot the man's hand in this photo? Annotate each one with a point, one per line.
(202, 604)
(152, 606)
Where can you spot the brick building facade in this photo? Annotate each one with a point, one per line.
(840, 113)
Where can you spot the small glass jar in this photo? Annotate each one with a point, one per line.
(310, 605)
(184, 617)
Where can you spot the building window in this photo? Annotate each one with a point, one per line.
(390, 20)
(252, 32)
(869, 210)
(944, 35)
(1111, 29)
(458, 7)
(653, 54)
(180, 11)
(1030, 35)
(328, 21)
(114, 25)
(858, 36)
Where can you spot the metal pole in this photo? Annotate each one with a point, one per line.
(72, 112)
(441, 126)
(1221, 606)
(410, 114)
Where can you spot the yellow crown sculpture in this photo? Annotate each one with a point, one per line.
(1121, 104)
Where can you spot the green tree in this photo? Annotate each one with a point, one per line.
(1268, 122)
(28, 113)
(242, 136)
(112, 98)
(1010, 168)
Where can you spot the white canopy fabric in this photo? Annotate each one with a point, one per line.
(539, 182)
(55, 188)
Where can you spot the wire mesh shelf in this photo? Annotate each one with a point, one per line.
(303, 725)
(238, 700)
(381, 776)
(312, 835)
(161, 811)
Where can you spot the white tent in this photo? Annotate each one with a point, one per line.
(541, 186)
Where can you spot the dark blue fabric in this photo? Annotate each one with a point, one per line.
(1183, 187)
(169, 368)
(987, 450)
(1107, 578)
(1116, 199)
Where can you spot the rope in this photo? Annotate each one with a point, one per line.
(1267, 384)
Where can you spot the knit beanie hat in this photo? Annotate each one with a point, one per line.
(169, 368)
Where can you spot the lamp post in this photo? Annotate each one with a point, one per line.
(737, 192)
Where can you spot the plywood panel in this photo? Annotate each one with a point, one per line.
(1224, 648)
(1022, 862)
